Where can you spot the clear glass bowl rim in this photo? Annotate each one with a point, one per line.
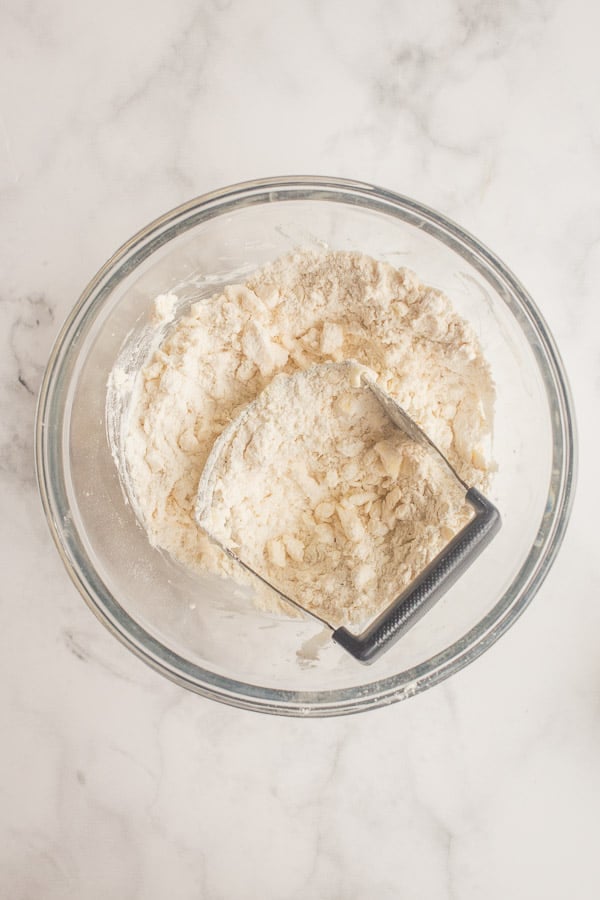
(49, 459)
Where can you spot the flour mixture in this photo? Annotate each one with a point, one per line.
(320, 493)
(303, 309)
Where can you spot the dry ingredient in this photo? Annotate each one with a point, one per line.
(306, 308)
(342, 508)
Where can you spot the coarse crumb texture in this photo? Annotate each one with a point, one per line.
(306, 308)
(343, 508)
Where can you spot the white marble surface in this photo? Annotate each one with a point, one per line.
(115, 783)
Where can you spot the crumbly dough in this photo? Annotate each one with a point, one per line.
(320, 493)
(306, 308)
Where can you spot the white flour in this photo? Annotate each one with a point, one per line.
(343, 509)
(303, 309)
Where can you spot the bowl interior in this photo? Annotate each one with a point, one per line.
(203, 630)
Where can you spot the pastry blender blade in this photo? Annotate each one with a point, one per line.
(431, 583)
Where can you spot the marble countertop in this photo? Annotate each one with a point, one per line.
(116, 783)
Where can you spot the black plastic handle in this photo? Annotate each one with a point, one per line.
(428, 587)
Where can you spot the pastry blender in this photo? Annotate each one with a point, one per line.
(432, 582)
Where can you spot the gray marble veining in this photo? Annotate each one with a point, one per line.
(114, 782)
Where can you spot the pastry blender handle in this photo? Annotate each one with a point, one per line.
(428, 587)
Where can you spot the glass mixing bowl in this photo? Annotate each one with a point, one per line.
(202, 632)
